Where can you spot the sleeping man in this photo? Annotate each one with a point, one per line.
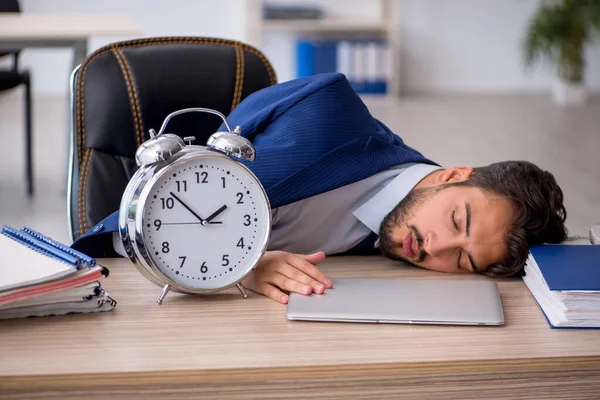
(340, 182)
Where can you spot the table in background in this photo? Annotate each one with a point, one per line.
(223, 346)
(53, 30)
(25, 31)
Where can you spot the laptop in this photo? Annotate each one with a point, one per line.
(402, 301)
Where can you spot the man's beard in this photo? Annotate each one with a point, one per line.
(397, 218)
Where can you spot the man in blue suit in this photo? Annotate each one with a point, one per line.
(340, 182)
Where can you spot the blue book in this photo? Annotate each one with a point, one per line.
(565, 281)
(305, 58)
(325, 56)
(569, 267)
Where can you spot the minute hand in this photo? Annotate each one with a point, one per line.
(188, 208)
(213, 215)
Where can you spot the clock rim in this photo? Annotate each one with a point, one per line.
(138, 199)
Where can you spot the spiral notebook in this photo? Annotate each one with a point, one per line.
(40, 276)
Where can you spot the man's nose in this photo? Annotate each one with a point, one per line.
(439, 244)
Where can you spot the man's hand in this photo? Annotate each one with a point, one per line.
(280, 271)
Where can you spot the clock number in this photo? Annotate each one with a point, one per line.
(247, 223)
(203, 268)
(241, 243)
(240, 197)
(223, 179)
(157, 223)
(165, 247)
(180, 185)
(182, 261)
(168, 203)
(204, 177)
(225, 260)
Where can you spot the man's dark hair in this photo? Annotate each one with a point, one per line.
(537, 207)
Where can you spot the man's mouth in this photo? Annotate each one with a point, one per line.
(410, 247)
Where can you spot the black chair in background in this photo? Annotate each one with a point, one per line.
(122, 90)
(12, 78)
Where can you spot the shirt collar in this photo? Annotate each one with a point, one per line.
(373, 211)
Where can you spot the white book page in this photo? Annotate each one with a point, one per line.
(21, 266)
(78, 293)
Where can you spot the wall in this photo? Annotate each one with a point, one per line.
(473, 46)
(447, 45)
(51, 68)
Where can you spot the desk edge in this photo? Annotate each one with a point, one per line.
(15, 383)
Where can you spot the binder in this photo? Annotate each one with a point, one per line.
(359, 67)
(371, 68)
(565, 281)
(569, 267)
(344, 59)
(40, 276)
(325, 56)
(305, 58)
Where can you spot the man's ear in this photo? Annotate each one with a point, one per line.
(454, 174)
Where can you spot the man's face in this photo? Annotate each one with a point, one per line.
(447, 228)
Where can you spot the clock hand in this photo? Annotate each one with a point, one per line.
(189, 223)
(216, 213)
(181, 223)
(188, 208)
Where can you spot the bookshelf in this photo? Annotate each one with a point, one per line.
(382, 22)
(348, 26)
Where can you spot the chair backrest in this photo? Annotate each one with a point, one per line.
(9, 6)
(126, 88)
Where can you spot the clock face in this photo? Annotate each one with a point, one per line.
(206, 222)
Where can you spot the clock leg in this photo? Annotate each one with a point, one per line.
(242, 290)
(163, 294)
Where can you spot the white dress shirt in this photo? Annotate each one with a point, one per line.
(327, 225)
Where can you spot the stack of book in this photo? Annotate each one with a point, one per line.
(365, 63)
(565, 281)
(40, 277)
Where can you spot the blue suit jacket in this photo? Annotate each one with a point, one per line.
(311, 135)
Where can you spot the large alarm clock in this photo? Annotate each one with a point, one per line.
(194, 219)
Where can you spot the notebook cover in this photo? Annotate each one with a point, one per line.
(21, 265)
(569, 267)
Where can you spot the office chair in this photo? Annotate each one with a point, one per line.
(124, 89)
(12, 78)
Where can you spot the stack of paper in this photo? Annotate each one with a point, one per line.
(565, 281)
(39, 277)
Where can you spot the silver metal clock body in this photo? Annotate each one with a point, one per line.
(193, 219)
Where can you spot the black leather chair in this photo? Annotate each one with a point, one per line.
(12, 78)
(123, 90)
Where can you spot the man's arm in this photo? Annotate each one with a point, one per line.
(278, 272)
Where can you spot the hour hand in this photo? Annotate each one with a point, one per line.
(188, 208)
(215, 214)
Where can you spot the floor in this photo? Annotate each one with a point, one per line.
(452, 130)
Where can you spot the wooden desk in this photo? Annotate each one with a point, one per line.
(223, 346)
(54, 30)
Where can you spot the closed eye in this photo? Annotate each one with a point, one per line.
(454, 221)
(457, 230)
